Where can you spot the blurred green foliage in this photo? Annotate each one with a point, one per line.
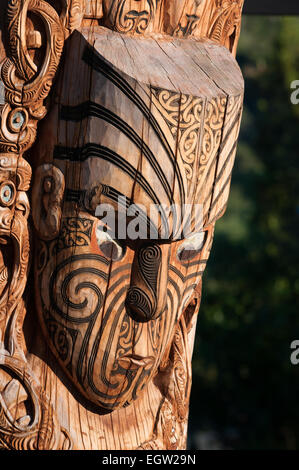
(244, 386)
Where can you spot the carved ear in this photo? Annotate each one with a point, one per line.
(47, 197)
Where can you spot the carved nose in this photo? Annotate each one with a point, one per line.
(146, 297)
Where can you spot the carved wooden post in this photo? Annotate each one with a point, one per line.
(140, 139)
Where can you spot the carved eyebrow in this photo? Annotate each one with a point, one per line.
(78, 196)
(92, 109)
(93, 150)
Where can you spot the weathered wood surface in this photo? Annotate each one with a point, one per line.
(146, 106)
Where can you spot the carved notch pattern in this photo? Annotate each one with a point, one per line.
(74, 232)
(182, 114)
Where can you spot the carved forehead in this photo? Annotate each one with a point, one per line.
(138, 129)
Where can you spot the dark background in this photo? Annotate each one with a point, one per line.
(271, 7)
(245, 392)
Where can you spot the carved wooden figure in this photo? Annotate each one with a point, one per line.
(127, 113)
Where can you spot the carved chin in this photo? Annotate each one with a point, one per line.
(105, 366)
(106, 371)
(122, 385)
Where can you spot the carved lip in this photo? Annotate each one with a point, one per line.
(133, 361)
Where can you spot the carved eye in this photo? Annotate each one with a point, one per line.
(7, 193)
(17, 120)
(109, 247)
(191, 247)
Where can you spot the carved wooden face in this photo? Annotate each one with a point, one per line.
(123, 136)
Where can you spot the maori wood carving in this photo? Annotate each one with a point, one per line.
(122, 110)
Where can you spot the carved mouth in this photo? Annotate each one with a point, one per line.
(133, 361)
